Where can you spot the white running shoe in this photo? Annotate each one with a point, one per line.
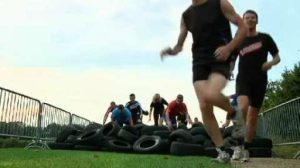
(237, 153)
(245, 156)
(223, 157)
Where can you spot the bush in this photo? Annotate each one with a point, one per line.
(13, 143)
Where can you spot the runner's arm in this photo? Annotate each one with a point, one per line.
(179, 45)
(235, 19)
(106, 115)
(150, 114)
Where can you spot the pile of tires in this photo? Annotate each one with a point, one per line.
(145, 139)
(260, 147)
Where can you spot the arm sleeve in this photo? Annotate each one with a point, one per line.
(184, 107)
(151, 105)
(185, 18)
(164, 101)
(272, 47)
(141, 110)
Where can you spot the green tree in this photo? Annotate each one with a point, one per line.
(284, 89)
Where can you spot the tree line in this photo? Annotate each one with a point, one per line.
(284, 89)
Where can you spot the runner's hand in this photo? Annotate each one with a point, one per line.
(165, 52)
(222, 53)
(266, 66)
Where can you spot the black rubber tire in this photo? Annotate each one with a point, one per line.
(212, 152)
(86, 148)
(78, 127)
(148, 144)
(208, 143)
(93, 126)
(60, 146)
(110, 129)
(63, 135)
(127, 136)
(162, 134)
(117, 145)
(105, 145)
(182, 136)
(186, 149)
(91, 138)
(199, 131)
(227, 132)
(199, 139)
(130, 129)
(149, 130)
(72, 139)
(197, 125)
(261, 143)
(182, 126)
(229, 142)
(164, 147)
(260, 152)
(138, 129)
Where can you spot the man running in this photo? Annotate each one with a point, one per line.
(109, 110)
(208, 21)
(252, 76)
(122, 116)
(158, 105)
(135, 109)
(175, 109)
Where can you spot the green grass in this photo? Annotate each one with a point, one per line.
(15, 158)
(286, 152)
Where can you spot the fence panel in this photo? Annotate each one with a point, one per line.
(281, 123)
(79, 121)
(53, 121)
(19, 114)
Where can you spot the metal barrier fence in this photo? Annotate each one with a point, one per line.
(19, 114)
(79, 121)
(281, 123)
(54, 120)
(24, 117)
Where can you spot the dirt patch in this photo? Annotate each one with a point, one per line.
(268, 163)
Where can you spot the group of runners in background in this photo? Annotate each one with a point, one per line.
(132, 113)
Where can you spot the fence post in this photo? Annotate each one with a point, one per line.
(264, 132)
(38, 143)
(70, 121)
(39, 129)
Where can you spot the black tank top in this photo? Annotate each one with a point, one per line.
(209, 27)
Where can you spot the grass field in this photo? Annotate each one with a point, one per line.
(287, 152)
(20, 158)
